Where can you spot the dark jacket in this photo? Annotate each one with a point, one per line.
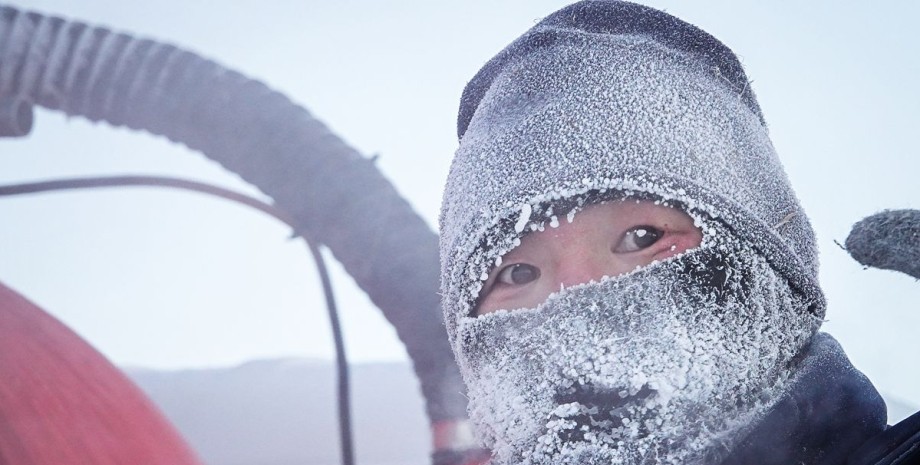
(897, 445)
(831, 415)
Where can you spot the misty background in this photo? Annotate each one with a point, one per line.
(169, 280)
(280, 412)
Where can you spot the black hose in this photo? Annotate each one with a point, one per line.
(333, 194)
(344, 396)
(15, 117)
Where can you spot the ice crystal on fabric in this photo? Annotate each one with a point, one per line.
(616, 112)
(667, 364)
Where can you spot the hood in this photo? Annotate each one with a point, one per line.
(603, 96)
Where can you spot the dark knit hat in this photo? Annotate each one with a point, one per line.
(616, 18)
(608, 95)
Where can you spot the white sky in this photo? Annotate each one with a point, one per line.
(168, 279)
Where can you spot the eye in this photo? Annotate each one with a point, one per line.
(518, 274)
(638, 238)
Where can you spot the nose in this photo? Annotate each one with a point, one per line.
(580, 262)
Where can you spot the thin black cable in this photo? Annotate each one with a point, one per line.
(341, 361)
(267, 208)
(149, 181)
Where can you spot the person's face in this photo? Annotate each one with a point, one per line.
(605, 239)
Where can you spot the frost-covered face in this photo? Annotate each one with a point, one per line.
(671, 362)
(667, 363)
(607, 239)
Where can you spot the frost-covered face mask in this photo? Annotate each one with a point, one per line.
(672, 362)
(667, 364)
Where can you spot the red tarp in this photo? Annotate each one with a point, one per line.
(62, 402)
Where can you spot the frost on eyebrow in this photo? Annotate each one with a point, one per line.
(507, 233)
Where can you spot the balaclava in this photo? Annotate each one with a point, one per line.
(671, 363)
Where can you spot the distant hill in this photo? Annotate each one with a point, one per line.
(283, 412)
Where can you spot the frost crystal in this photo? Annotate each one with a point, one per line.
(522, 221)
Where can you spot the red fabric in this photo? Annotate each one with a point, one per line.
(62, 402)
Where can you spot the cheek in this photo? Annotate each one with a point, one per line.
(513, 298)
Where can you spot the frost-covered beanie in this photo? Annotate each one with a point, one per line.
(609, 95)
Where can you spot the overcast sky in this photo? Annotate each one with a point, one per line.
(169, 279)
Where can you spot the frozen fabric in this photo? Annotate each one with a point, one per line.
(668, 364)
(889, 240)
(675, 362)
(567, 109)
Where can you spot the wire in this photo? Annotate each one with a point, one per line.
(149, 181)
(264, 207)
(341, 361)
